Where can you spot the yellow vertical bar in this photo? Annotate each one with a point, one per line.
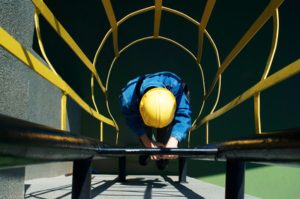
(206, 133)
(157, 17)
(257, 118)
(189, 139)
(113, 23)
(117, 138)
(63, 112)
(203, 23)
(101, 131)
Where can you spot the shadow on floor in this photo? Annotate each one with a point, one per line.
(39, 194)
(136, 182)
(188, 193)
(134, 188)
(96, 189)
(104, 185)
(140, 187)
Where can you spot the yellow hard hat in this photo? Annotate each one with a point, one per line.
(157, 107)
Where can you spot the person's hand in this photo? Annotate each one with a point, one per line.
(172, 143)
(156, 145)
(151, 145)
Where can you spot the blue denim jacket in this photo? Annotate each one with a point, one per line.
(130, 99)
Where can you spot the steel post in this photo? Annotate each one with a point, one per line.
(81, 185)
(122, 169)
(235, 179)
(182, 161)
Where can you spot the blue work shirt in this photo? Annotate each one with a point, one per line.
(131, 95)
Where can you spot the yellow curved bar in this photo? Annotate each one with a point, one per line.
(97, 55)
(260, 21)
(257, 118)
(137, 12)
(286, 72)
(100, 47)
(113, 119)
(95, 106)
(92, 81)
(63, 101)
(181, 15)
(61, 31)
(39, 38)
(196, 123)
(274, 44)
(93, 94)
(16, 49)
(115, 59)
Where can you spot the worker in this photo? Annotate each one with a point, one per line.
(157, 104)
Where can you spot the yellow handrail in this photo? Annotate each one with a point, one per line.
(260, 21)
(277, 77)
(76, 49)
(17, 50)
(61, 31)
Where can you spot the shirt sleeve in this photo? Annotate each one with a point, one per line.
(132, 117)
(182, 118)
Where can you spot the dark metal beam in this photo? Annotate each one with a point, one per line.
(273, 147)
(182, 152)
(27, 140)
